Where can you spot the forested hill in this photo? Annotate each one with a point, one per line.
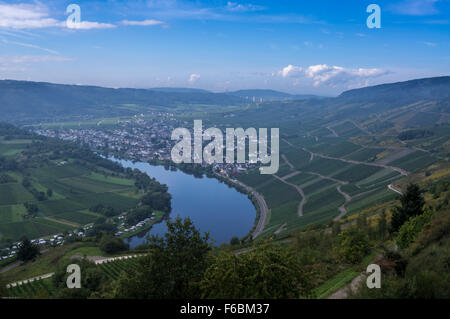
(40, 99)
(36, 101)
(412, 103)
(437, 88)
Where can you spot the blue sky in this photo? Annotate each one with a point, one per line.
(320, 47)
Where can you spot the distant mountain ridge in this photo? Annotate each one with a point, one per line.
(427, 88)
(32, 101)
(179, 90)
(271, 95)
(42, 99)
(248, 95)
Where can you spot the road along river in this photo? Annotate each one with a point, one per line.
(213, 206)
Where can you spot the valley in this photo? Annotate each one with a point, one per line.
(335, 167)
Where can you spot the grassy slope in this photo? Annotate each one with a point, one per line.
(75, 189)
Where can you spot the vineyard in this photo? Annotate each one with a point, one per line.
(45, 288)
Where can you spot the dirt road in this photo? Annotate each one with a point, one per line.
(299, 190)
(342, 208)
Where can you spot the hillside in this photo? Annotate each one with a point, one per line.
(33, 101)
(50, 187)
(415, 103)
(340, 155)
(436, 88)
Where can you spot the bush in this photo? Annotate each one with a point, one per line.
(111, 245)
(265, 272)
(92, 280)
(411, 229)
(353, 245)
(174, 267)
(412, 205)
(437, 229)
(27, 251)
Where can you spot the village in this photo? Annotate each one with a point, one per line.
(143, 139)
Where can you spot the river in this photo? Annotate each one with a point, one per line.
(213, 206)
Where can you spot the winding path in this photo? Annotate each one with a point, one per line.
(332, 131)
(397, 169)
(342, 208)
(287, 161)
(290, 175)
(299, 190)
(392, 188)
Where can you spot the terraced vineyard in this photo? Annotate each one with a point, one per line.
(61, 188)
(45, 288)
(339, 171)
(74, 192)
(113, 269)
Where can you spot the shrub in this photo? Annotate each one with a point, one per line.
(411, 229)
(111, 245)
(353, 245)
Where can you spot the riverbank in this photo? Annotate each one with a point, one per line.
(199, 194)
(198, 171)
(157, 218)
(257, 199)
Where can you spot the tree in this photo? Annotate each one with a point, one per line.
(174, 267)
(49, 192)
(112, 245)
(264, 272)
(361, 221)
(382, 225)
(353, 245)
(3, 289)
(92, 280)
(412, 203)
(235, 241)
(412, 228)
(27, 250)
(336, 228)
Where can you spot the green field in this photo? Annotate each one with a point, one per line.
(277, 193)
(36, 228)
(11, 213)
(75, 190)
(14, 193)
(336, 283)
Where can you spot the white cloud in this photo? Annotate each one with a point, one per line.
(88, 25)
(291, 71)
(150, 22)
(26, 16)
(237, 7)
(21, 63)
(193, 78)
(430, 44)
(29, 45)
(415, 7)
(36, 16)
(22, 59)
(333, 76)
